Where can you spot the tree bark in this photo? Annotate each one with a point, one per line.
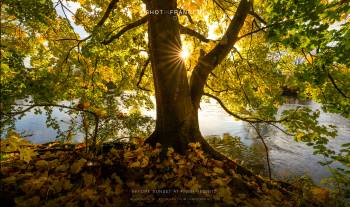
(176, 123)
(177, 102)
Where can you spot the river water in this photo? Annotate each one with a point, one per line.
(288, 157)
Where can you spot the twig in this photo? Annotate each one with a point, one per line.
(266, 149)
(142, 74)
(125, 29)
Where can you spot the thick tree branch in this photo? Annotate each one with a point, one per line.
(207, 63)
(126, 28)
(107, 13)
(193, 33)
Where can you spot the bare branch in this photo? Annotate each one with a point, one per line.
(125, 29)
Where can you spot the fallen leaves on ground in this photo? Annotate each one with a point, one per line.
(134, 177)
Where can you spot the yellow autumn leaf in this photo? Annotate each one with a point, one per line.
(89, 179)
(225, 194)
(128, 155)
(114, 152)
(57, 186)
(9, 180)
(66, 184)
(26, 154)
(218, 170)
(62, 168)
(41, 164)
(117, 179)
(77, 165)
(144, 162)
(320, 194)
(220, 181)
(193, 184)
(135, 164)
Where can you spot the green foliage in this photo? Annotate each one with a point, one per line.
(319, 32)
(306, 129)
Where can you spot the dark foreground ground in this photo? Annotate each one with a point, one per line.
(122, 175)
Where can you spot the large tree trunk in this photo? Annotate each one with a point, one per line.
(177, 104)
(177, 122)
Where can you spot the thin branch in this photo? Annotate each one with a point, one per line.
(125, 29)
(17, 112)
(254, 14)
(187, 14)
(225, 108)
(335, 85)
(77, 45)
(216, 91)
(67, 19)
(247, 119)
(253, 32)
(305, 56)
(193, 33)
(330, 77)
(96, 117)
(222, 8)
(142, 74)
(67, 39)
(70, 11)
(282, 130)
(241, 86)
(59, 106)
(266, 149)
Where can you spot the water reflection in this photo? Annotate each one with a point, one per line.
(289, 158)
